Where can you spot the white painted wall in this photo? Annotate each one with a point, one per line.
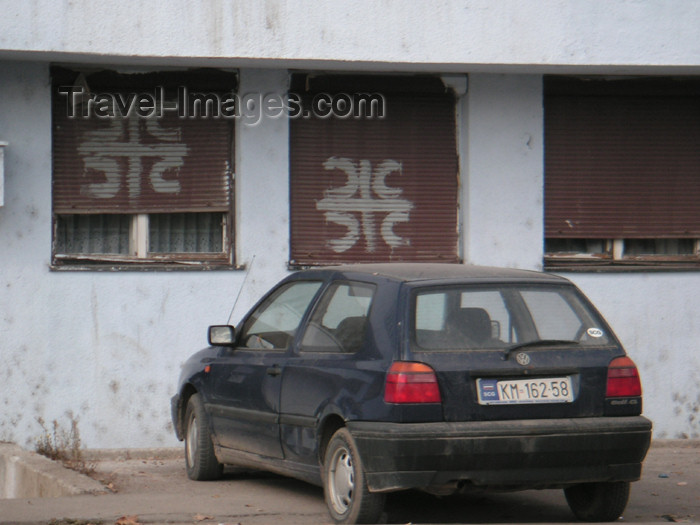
(654, 314)
(108, 346)
(262, 188)
(503, 171)
(656, 317)
(470, 35)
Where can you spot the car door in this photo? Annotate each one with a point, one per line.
(325, 370)
(246, 381)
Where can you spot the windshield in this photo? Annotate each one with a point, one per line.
(499, 317)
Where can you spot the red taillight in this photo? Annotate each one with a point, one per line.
(408, 382)
(623, 378)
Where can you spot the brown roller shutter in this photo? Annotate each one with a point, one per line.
(129, 164)
(622, 160)
(377, 189)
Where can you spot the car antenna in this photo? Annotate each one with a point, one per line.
(245, 279)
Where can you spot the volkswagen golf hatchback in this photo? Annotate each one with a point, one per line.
(368, 379)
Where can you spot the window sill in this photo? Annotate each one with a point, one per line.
(558, 264)
(63, 263)
(143, 267)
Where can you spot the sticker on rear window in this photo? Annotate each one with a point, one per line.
(595, 332)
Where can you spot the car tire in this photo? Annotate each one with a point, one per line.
(200, 459)
(598, 501)
(344, 484)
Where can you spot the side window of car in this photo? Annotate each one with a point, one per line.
(339, 324)
(274, 324)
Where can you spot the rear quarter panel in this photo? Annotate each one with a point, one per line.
(319, 387)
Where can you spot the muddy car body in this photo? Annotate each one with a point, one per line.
(367, 379)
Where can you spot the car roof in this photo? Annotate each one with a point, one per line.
(441, 272)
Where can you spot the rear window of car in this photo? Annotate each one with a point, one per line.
(468, 317)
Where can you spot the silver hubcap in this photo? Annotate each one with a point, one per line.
(341, 481)
(191, 441)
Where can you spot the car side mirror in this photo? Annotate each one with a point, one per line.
(222, 335)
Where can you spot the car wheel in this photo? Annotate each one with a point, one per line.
(598, 501)
(344, 485)
(200, 459)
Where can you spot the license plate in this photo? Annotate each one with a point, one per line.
(524, 391)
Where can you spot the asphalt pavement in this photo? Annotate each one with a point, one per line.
(152, 488)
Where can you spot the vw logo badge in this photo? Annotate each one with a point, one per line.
(523, 359)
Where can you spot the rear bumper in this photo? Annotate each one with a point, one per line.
(502, 454)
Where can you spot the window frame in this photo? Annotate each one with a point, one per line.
(389, 218)
(615, 258)
(580, 192)
(165, 84)
(139, 254)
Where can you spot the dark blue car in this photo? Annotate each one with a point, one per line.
(367, 379)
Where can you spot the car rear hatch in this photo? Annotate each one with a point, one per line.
(519, 351)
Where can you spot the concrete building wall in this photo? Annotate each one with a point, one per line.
(654, 314)
(106, 347)
(474, 35)
(503, 171)
(655, 317)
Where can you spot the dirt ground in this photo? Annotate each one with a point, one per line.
(155, 490)
(669, 492)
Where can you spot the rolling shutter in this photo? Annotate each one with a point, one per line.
(622, 159)
(130, 164)
(379, 189)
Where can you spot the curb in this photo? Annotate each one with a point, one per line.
(125, 454)
(26, 474)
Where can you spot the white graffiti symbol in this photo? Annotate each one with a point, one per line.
(367, 195)
(102, 148)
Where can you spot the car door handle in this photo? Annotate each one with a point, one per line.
(274, 370)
